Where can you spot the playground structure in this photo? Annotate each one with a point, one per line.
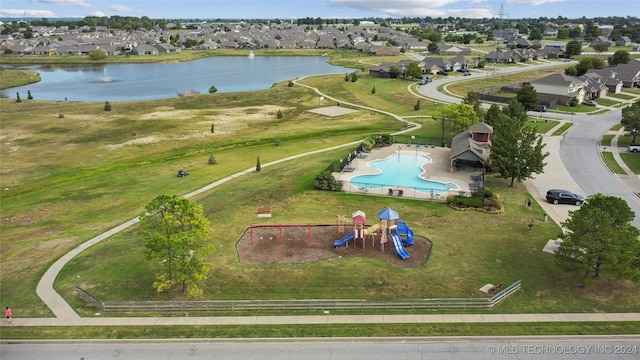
(388, 228)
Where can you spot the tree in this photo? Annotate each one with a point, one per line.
(97, 54)
(455, 115)
(492, 115)
(326, 181)
(107, 106)
(535, 34)
(631, 119)
(516, 149)
(258, 167)
(601, 240)
(279, 114)
(473, 100)
(601, 46)
(354, 77)
(432, 48)
(619, 57)
(18, 97)
(417, 105)
(213, 89)
(528, 97)
(176, 237)
(29, 96)
(413, 70)
(573, 48)
(393, 71)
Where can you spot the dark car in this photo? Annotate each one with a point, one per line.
(590, 103)
(540, 108)
(441, 72)
(556, 196)
(466, 73)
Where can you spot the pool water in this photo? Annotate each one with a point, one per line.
(401, 170)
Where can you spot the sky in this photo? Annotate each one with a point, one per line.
(326, 9)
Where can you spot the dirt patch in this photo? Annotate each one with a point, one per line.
(268, 248)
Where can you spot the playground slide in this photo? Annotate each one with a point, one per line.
(372, 229)
(399, 247)
(343, 241)
(403, 229)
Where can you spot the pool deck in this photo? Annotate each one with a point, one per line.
(437, 170)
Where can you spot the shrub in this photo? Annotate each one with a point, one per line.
(258, 167)
(346, 77)
(325, 181)
(213, 128)
(462, 201)
(107, 106)
(279, 115)
(18, 97)
(278, 141)
(29, 96)
(213, 90)
(373, 91)
(417, 105)
(354, 77)
(60, 116)
(212, 160)
(368, 143)
(290, 84)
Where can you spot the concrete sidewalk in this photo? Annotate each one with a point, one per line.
(327, 319)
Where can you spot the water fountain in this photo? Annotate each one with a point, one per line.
(251, 54)
(105, 77)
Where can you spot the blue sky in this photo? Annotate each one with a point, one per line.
(293, 9)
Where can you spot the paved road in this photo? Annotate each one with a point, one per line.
(459, 348)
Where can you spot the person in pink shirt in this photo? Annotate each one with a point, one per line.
(9, 315)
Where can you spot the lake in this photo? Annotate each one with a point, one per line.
(113, 82)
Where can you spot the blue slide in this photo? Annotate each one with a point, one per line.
(403, 230)
(399, 247)
(343, 241)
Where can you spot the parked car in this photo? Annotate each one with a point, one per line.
(462, 70)
(442, 72)
(556, 196)
(466, 73)
(541, 108)
(633, 147)
(590, 103)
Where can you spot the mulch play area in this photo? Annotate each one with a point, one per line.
(296, 247)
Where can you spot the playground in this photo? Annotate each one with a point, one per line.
(304, 243)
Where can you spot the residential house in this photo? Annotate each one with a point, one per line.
(624, 41)
(447, 49)
(560, 88)
(144, 49)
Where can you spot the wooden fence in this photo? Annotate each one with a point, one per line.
(291, 305)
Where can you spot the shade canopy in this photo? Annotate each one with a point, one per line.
(388, 214)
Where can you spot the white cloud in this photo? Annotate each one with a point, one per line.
(533, 2)
(27, 13)
(120, 8)
(419, 8)
(80, 3)
(97, 14)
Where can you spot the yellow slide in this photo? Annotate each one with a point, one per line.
(372, 229)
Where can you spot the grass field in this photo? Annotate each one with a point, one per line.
(67, 179)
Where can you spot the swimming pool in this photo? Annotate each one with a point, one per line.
(401, 170)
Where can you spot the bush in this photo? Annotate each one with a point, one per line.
(18, 97)
(29, 96)
(213, 90)
(417, 106)
(462, 201)
(325, 181)
(373, 91)
(212, 160)
(290, 84)
(60, 116)
(279, 115)
(107, 106)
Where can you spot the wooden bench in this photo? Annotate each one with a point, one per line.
(494, 287)
(264, 211)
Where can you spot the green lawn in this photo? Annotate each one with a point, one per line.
(68, 179)
(612, 163)
(632, 160)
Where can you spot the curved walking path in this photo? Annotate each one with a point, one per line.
(66, 316)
